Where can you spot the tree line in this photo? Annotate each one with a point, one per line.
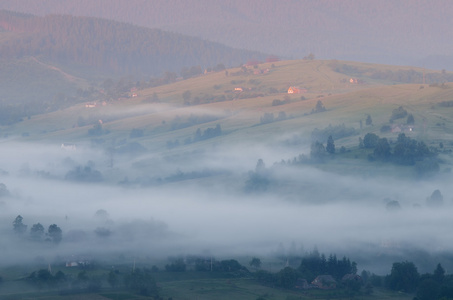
(122, 48)
(37, 232)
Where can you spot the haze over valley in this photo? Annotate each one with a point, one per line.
(134, 145)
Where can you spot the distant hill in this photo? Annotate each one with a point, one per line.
(392, 32)
(47, 63)
(111, 46)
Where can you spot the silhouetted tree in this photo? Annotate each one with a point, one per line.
(393, 205)
(330, 148)
(428, 289)
(403, 277)
(382, 149)
(398, 113)
(439, 273)
(142, 282)
(317, 152)
(319, 107)
(18, 226)
(55, 233)
(176, 266)
(37, 232)
(255, 262)
(370, 140)
(435, 200)
(287, 278)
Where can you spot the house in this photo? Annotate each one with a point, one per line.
(296, 90)
(238, 89)
(396, 128)
(325, 282)
(353, 80)
(77, 261)
(90, 104)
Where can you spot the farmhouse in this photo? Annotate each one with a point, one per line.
(90, 104)
(398, 128)
(296, 90)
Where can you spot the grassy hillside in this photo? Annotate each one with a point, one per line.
(345, 102)
(167, 117)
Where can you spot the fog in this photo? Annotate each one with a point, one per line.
(303, 209)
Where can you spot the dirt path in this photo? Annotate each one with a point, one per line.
(66, 75)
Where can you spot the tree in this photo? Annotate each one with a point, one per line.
(318, 151)
(403, 277)
(368, 120)
(435, 200)
(18, 226)
(393, 205)
(287, 278)
(176, 266)
(319, 107)
(382, 149)
(55, 234)
(142, 283)
(398, 113)
(370, 140)
(37, 232)
(255, 262)
(428, 289)
(267, 118)
(439, 273)
(330, 148)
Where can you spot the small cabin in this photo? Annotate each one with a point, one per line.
(296, 90)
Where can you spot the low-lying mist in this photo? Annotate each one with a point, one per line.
(303, 208)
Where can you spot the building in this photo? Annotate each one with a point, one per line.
(296, 90)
